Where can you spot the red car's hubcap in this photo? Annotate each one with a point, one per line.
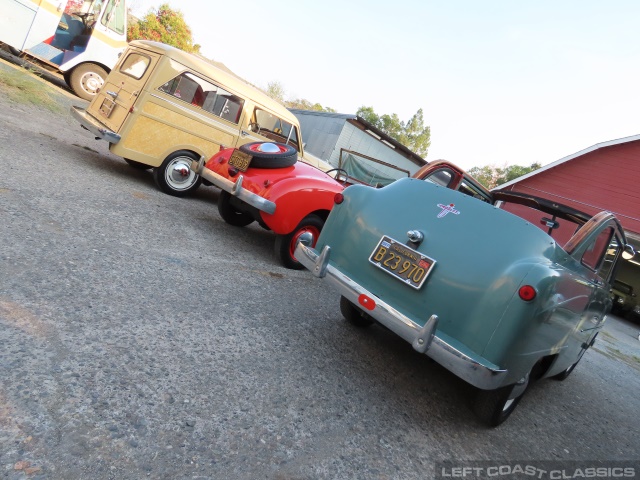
(294, 241)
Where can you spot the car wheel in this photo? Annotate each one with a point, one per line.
(230, 214)
(86, 79)
(493, 407)
(137, 165)
(174, 176)
(565, 374)
(353, 314)
(286, 244)
(270, 155)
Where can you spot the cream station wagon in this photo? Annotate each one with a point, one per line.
(161, 108)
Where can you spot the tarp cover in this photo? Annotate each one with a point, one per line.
(368, 172)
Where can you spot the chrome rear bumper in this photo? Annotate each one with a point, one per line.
(234, 188)
(100, 131)
(425, 339)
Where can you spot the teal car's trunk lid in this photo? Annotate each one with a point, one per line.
(481, 253)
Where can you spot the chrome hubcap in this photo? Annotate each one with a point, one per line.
(178, 174)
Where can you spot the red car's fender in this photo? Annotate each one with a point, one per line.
(297, 190)
(307, 191)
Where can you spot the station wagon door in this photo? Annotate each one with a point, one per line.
(115, 100)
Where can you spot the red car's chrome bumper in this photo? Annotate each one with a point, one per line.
(234, 188)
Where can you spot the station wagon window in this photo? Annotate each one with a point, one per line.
(204, 94)
(135, 65)
(114, 16)
(274, 128)
(594, 256)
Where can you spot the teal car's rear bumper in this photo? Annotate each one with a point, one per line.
(425, 339)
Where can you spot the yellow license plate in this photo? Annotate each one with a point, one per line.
(240, 160)
(404, 263)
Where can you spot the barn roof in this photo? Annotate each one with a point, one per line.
(568, 158)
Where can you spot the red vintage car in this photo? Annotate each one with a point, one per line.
(265, 182)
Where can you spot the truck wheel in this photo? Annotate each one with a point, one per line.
(137, 165)
(174, 177)
(493, 407)
(270, 154)
(286, 244)
(230, 214)
(353, 314)
(86, 79)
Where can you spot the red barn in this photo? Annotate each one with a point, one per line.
(605, 176)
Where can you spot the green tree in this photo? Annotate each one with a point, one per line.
(413, 134)
(276, 91)
(492, 176)
(164, 25)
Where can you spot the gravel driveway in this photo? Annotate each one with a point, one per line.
(142, 337)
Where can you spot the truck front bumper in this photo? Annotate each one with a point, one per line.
(425, 339)
(234, 188)
(89, 123)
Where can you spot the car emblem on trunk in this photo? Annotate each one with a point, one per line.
(447, 209)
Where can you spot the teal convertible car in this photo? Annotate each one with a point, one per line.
(498, 299)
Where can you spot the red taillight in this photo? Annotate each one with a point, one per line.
(233, 171)
(367, 302)
(338, 199)
(527, 293)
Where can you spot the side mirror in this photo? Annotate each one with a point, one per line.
(628, 252)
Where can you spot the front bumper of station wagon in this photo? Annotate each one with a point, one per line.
(424, 339)
(87, 122)
(234, 188)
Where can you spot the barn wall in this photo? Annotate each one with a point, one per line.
(606, 179)
(320, 134)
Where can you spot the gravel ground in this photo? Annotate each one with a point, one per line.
(142, 337)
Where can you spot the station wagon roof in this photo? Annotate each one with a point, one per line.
(229, 80)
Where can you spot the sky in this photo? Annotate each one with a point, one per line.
(500, 82)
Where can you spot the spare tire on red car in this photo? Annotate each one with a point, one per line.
(270, 154)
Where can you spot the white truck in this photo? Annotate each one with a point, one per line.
(82, 39)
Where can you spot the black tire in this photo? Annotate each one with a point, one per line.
(137, 165)
(86, 79)
(230, 214)
(353, 314)
(285, 157)
(493, 407)
(286, 244)
(565, 374)
(174, 177)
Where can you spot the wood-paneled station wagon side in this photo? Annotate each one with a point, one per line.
(492, 297)
(161, 108)
(264, 182)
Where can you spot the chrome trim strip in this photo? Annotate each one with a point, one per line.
(234, 188)
(480, 373)
(98, 130)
